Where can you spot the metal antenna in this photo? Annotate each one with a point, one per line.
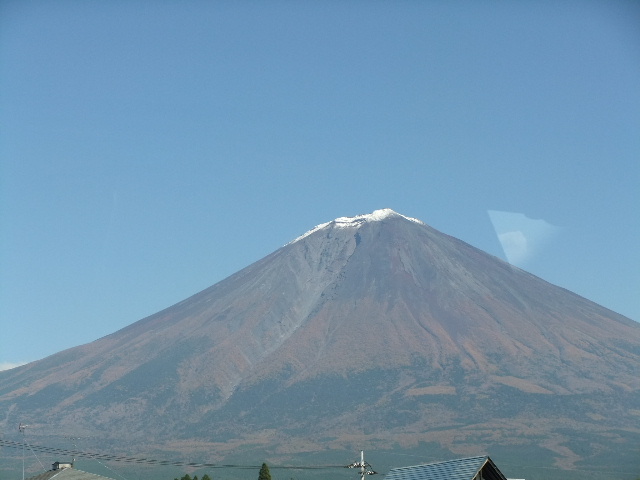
(73, 439)
(365, 468)
(21, 429)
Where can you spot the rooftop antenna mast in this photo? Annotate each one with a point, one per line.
(365, 468)
(73, 442)
(21, 429)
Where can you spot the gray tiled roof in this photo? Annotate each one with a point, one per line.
(68, 474)
(461, 469)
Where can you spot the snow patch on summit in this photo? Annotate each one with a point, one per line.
(347, 222)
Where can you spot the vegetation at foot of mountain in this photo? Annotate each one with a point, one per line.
(264, 473)
(188, 477)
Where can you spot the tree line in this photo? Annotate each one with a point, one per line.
(195, 477)
(263, 475)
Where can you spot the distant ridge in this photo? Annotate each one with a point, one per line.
(373, 330)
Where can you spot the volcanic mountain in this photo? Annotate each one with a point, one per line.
(374, 331)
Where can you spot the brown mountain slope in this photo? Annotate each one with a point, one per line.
(374, 329)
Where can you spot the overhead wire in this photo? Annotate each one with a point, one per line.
(74, 439)
(34, 454)
(150, 461)
(174, 463)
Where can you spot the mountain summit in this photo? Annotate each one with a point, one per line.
(346, 222)
(375, 329)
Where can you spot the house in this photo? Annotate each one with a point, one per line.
(65, 471)
(473, 468)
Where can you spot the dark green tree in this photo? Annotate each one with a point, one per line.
(264, 473)
(187, 477)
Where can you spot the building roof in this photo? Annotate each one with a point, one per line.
(68, 474)
(461, 469)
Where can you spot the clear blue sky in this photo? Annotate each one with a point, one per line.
(149, 149)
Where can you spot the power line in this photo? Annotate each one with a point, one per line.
(149, 461)
(173, 463)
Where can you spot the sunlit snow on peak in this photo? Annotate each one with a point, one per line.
(347, 222)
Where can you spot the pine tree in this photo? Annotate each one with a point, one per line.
(264, 473)
(206, 477)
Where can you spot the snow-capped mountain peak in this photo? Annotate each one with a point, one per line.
(376, 216)
(349, 222)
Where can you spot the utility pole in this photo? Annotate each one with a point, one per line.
(365, 468)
